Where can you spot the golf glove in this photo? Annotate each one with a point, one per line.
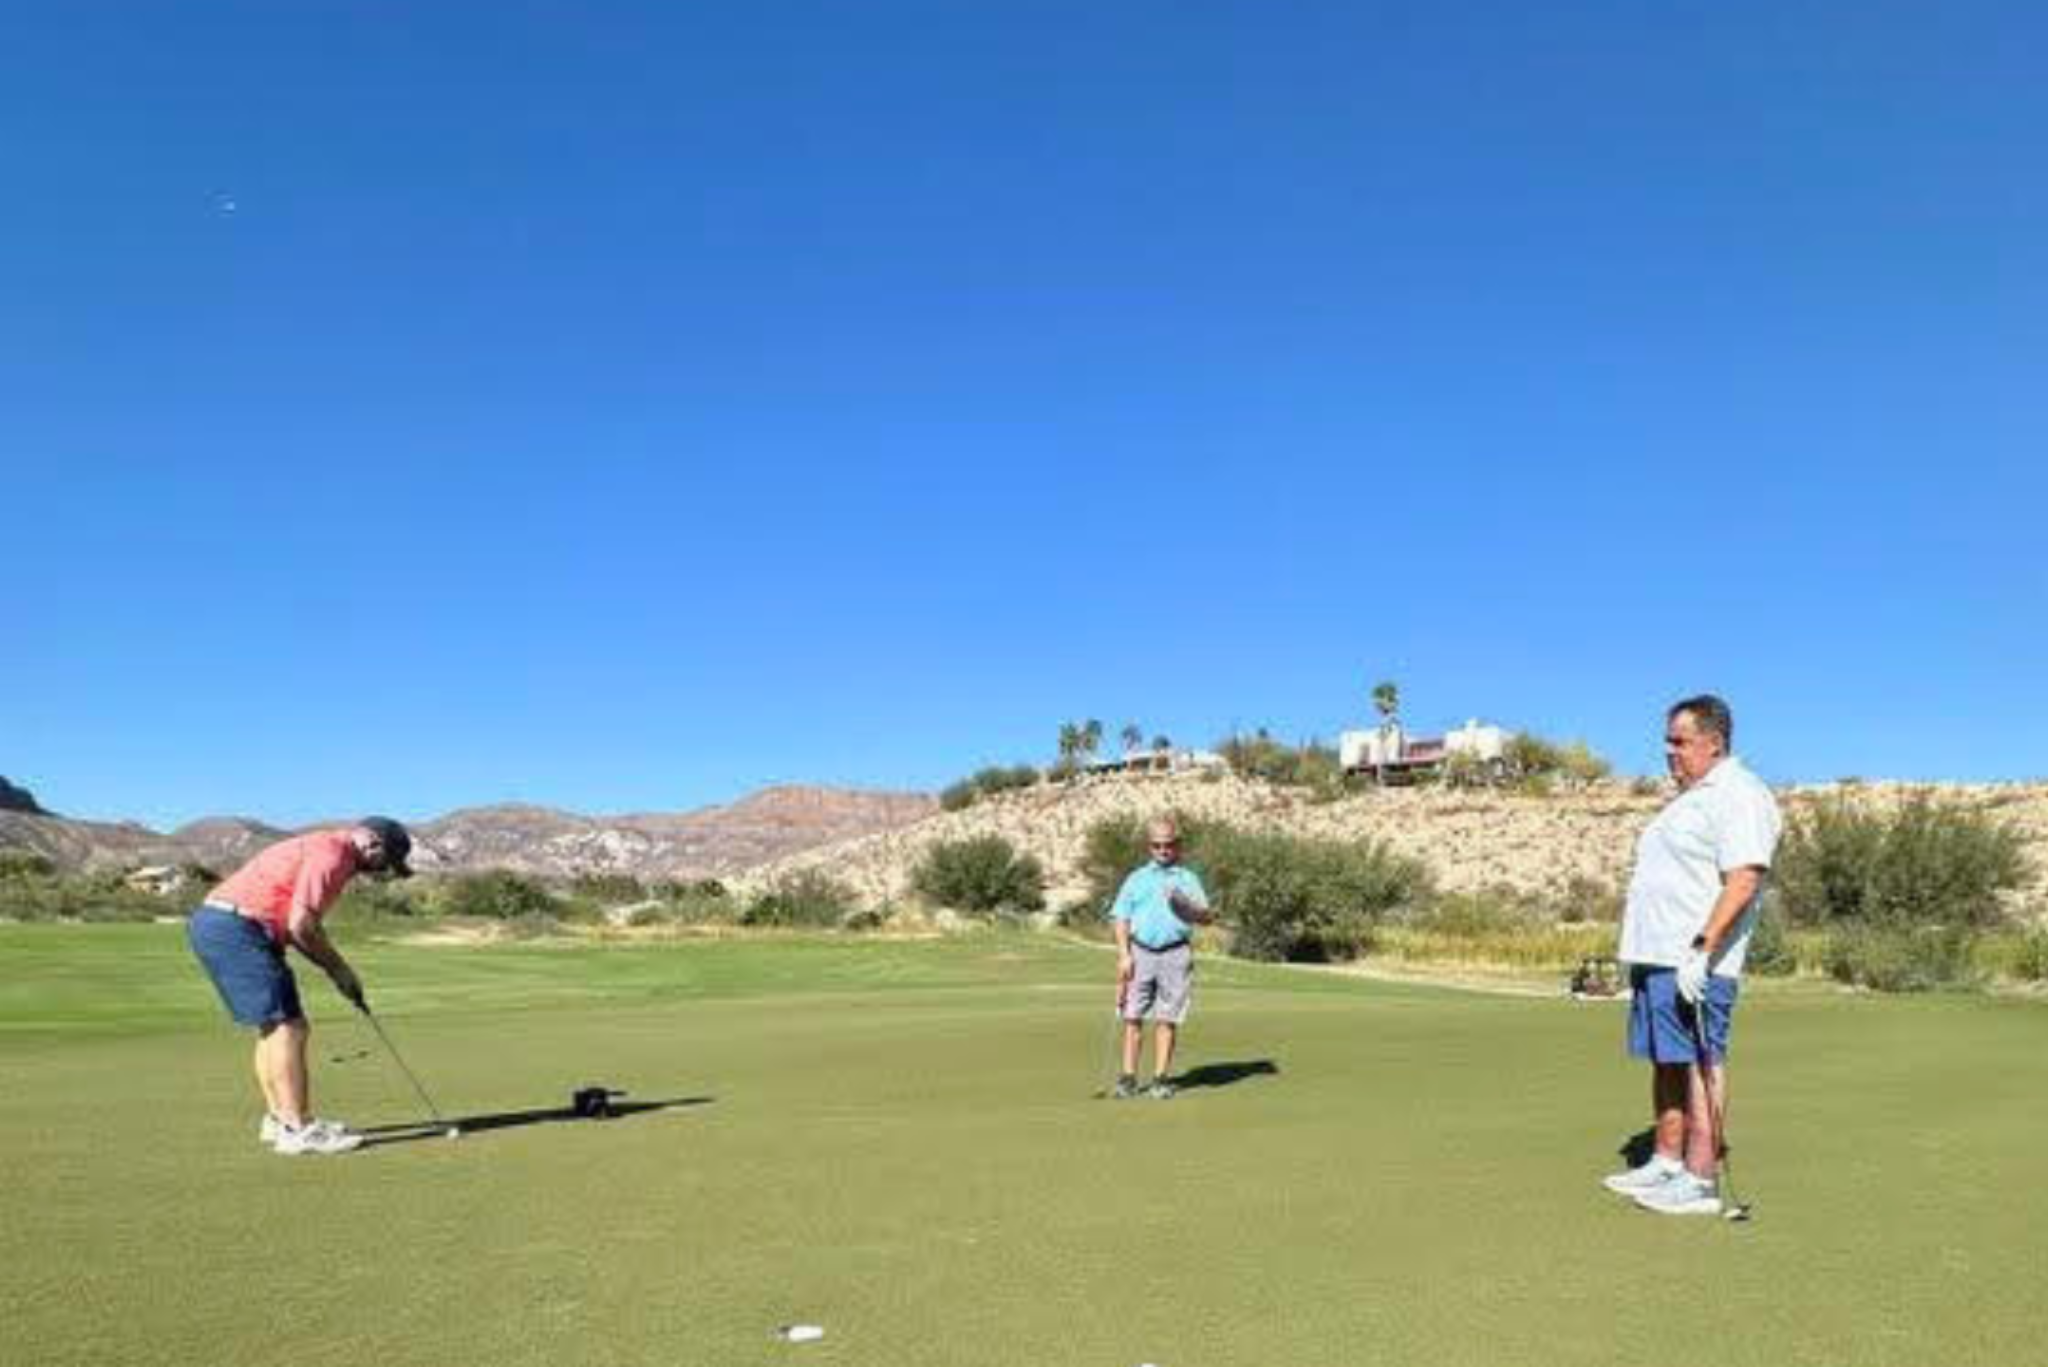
(1692, 976)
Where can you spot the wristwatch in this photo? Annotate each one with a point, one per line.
(1699, 942)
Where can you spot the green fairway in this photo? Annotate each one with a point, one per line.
(897, 1141)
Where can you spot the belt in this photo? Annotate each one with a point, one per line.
(229, 907)
(1158, 949)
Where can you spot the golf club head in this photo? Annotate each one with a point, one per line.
(1736, 1214)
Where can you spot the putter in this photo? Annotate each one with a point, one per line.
(1732, 1208)
(1116, 1043)
(452, 1131)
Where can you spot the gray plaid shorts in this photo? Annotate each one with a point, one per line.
(1162, 985)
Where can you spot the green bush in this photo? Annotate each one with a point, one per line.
(1282, 897)
(982, 874)
(2030, 960)
(498, 894)
(612, 889)
(25, 864)
(996, 778)
(807, 898)
(1287, 898)
(378, 899)
(1927, 863)
(1259, 756)
(1475, 915)
(1899, 958)
(1771, 953)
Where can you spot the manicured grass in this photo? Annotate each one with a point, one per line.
(897, 1141)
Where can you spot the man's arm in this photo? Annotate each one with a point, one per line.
(307, 936)
(1738, 889)
(1188, 909)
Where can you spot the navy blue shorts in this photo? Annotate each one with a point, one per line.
(247, 967)
(1660, 1022)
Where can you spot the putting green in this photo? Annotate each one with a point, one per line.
(896, 1141)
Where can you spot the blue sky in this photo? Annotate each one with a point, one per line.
(621, 407)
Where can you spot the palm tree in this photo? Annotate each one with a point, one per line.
(1132, 737)
(1386, 697)
(1070, 742)
(1091, 737)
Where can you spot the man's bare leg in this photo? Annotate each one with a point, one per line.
(281, 1068)
(1163, 1036)
(1669, 1102)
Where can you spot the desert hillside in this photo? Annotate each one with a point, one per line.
(1469, 839)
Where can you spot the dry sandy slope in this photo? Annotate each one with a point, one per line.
(1470, 840)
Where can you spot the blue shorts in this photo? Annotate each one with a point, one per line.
(1660, 1022)
(247, 967)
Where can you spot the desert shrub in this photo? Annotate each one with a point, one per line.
(1309, 765)
(1537, 765)
(615, 889)
(34, 890)
(2030, 958)
(1927, 863)
(1283, 897)
(981, 874)
(1770, 949)
(987, 782)
(1472, 915)
(1287, 898)
(1584, 899)
(377, 899)
(25, 864)
(1891, 958)
(498, 894)
(1645, 786)
(809, 897)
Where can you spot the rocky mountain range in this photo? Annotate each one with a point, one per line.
(710, 842)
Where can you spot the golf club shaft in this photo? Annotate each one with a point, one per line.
(399, 1059)
(1724, 1171)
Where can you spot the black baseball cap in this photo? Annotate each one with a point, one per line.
(394, 838)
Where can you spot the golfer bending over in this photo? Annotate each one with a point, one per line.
(1155, 963)
(1692, 903)
(240, 933)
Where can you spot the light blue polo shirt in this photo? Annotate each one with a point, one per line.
(1142, 902)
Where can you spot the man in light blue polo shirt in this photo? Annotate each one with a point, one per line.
(1692, 903)
(1155, 912)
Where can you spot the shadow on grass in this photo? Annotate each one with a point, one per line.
(1637, 1148)
(406, 1133)
(1224, 1074)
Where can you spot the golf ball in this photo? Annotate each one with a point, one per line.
(454, 1132)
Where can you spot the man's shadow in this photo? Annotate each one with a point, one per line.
(408, 1132)
(1637, 1148)
(1224, 1074)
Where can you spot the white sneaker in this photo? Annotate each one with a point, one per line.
(272, 1127)
(1682, 1195)
(317, 1136)
(1634, 1181)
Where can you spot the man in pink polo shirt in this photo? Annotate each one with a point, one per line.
(240, 934)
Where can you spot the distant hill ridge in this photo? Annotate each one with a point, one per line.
(709, 842)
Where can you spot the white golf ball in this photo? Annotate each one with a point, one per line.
(455, 1132)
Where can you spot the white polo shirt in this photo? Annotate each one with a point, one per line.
(1728, 820)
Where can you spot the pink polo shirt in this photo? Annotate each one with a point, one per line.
(305, 871)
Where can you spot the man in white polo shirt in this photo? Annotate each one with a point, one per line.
(1692, 903)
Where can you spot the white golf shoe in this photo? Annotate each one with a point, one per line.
(315, 1136)
(1684, 1194)
(1634, 1181)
